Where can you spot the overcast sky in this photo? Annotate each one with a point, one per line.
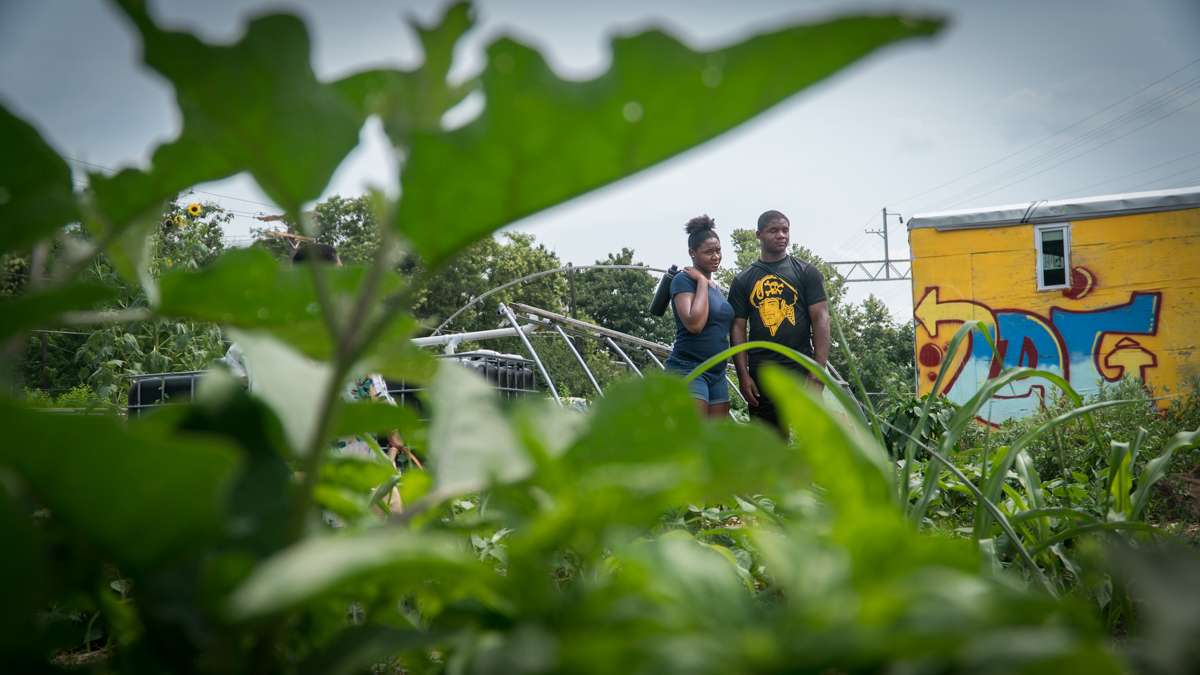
(1014, 101)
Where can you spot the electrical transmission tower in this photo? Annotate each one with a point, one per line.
(887, 269)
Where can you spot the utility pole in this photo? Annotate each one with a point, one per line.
(571, 284)
(883, 232)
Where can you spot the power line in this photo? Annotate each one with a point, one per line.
(1058, 151)
(1046, 138)
(1134, 173)
(1086, 152)
(238, 199)
(1159, 180)
(112, 171)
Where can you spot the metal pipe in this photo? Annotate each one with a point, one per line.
(478, 335)
(583, 364)
(592, 329)
(654, 358)
(625, 356)
(512, 319)
(537, 275)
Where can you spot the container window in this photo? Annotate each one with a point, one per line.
(1053, 256)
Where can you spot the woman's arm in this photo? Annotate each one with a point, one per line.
(692, 308)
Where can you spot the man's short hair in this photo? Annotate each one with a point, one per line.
(769, 217)
(312, 251)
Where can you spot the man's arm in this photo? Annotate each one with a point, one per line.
(741, 361)
(818, 314)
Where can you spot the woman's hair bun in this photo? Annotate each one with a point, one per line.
(700, 224)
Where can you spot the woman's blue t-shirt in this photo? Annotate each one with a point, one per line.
(693, 348)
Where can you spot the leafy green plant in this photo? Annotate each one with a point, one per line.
(536, 541)
(77, 399)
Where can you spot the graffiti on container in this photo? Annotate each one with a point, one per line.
(1085, 347)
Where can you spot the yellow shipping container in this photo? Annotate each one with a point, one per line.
(1090, 289)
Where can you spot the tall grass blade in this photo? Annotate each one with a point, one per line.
(962, 334)
(856, 380)
(999, 473)
(966, 415)
(1028, 476)
(1078, 530)
(1059, 512)
(1005, 525)
(1156, 468)
(1117, 501)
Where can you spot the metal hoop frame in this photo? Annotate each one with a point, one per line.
(536, 275)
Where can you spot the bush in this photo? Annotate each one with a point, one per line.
(79, 399)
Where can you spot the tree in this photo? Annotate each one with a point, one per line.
(187, 237)
(620, 299)
(484, 266)
(882, 347)
(348, 224)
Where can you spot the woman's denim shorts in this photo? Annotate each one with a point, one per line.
(711, 387)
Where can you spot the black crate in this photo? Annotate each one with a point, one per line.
(150, 391)
(511, 376)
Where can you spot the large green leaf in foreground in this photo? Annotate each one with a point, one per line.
(139, 497)
(252, 106)
(35, 185)
(249, 289)
(541, 140)
(414, 99)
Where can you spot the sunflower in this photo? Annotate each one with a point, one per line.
(194, 209)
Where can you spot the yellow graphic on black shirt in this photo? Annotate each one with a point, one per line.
(775, 300)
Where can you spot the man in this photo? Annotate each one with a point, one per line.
(777, 299)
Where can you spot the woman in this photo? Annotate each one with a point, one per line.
(702, 319)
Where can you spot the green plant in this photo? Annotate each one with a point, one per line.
(80, 398)
(208, 515)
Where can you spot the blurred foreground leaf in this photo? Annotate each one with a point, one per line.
(542, 140)
(319, 565)
(36, 193)
(646, 437)
(140, 497)
(286, 128)
(844, 459)
(470, 442)
(23, 561)
(359, 417)
(407, 100)
(39, 308)
(249, 289)
(291, 384)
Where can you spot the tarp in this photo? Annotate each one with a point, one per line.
(1061, 210)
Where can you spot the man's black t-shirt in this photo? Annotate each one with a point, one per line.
(774, 299)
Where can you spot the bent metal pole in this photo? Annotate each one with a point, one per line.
(583, 364)
(512, 319)
(654, 358)
(625, 356)
(571, 269)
